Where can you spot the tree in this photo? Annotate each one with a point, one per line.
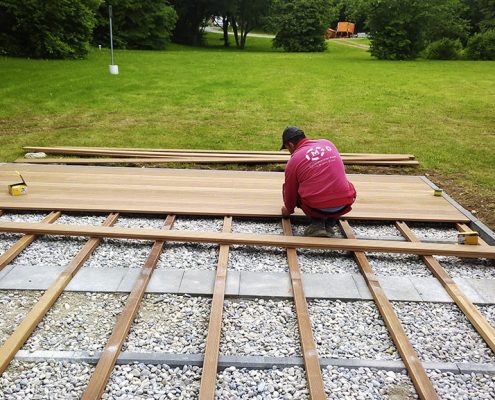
(137, 24)
(46, 28)
(191, 18)
(245, 16)
(301, 24)
(481, 14)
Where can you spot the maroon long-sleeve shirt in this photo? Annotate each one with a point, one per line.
(316, 176)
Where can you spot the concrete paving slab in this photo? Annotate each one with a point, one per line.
(5, 271)
(442, 366)
(468, 368)
(430, 289)
(129, 279)
(197, 282)
(165, 281)
(330, 286)
(362, 287)
(470, 291)
(96, 280)
(233, 284)
(271, 284)
(485, 287)
(399, 288)
(27, 277)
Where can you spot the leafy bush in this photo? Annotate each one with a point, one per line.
(46, 28)
(137, 24)
(443, 49)
(481, 46)
(301, 24)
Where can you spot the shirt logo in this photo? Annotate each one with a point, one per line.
(317, 153)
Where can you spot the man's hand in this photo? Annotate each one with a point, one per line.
(285, 212)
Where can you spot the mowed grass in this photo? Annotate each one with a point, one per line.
(443, 112)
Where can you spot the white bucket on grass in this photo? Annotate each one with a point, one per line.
(114, 69)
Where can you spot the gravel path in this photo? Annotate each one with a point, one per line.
(441, 332)
(189, 256)
(170, 324)
(7, 240)
(434, 232)
(451, 386)
(375, 230)
(243, 258)
(22, 217)
(258, 226)
(260, 327)
(14, 306)
(388, 264)
(287, 383)
(326, 262)
(141, 381)
(489, 313)
(44, 380)
(81, 219)
(350, 330)
(77, 321)
(119, 253)
(198, 224)
(468, 268)
(367, 384)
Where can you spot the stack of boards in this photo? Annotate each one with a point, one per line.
(113, 155)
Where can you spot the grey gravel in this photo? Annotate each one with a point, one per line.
(77, 321)
(488, 312)
(246, 258)
(188, 256)
(140, 222)
(287, 383)
(198, 224)
(434, 232)
(260, 327)
(8, 239)
(350, 330)
(257, 226)
(367, 384)
(326, 262)
(141, 381)
(468, 268)
(463, 386)
(44, 380)
(81, 219)
(375, 230)
(388, 264)
(441, 332)
(14, 306)
(170, 323)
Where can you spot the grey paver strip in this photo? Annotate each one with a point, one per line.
(469, 290)
(399, 288)
(165, 281)
(430, 289)
(363, 290)
(273, 284)
(97, 279)
(330, 286)
(5, 271)
(25, 277)
(197, 282)
(485, 287)
(233, 284)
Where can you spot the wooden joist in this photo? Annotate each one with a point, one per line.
(210, 363)
(471, 312)
(39, 310)
(101, 374)
(24, 241)
(381, 246)
(414, 367)
(313, 371)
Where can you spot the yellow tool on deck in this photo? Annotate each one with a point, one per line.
(20, 188)
(468, 237)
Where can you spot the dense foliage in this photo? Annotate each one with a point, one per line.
(137, 24)
(46, 28)
(481, 46)
(443, 49)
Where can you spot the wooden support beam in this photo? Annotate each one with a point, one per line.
(39, 310)
(210, 363)
(380, 246)
(308, 346)
(471, 312)
(25, 241)
(104, 368)
(416, 371)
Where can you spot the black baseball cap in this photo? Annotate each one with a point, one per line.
(291, 132)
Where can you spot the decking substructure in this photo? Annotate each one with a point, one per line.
(226, 283)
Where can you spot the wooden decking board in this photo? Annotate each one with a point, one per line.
(195, 192)
(39, 310)
(103, 370)
(308, 346)
(24, 241)
(210, 363)
(416, 371)
(381, 246)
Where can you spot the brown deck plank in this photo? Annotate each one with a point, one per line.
(416, 371)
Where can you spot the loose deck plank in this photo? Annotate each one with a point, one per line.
(210, 363)
(414, 367)
(381, 246)
(7, 257)
(471, 312)
(308, 346)
(39, 310)
(103, 370)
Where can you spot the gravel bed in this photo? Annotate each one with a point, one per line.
(246, 258)
(140, 222)
(374, 230)
(488, 312)
(119, 253)
(189, 256)
(350, 330)
(299, 226)
(258, 226)
(326, 262)
(480, 268)
(441, 332)
(8, 239)
(393, 264)
(287, 383)
(77, 321)
(260, 327)
(14, 306)
(451, 386)
(170, 323)
(198, 224)
(44, 380)
(434, 232)
(141, 381)
(367, 384)
(81, 219)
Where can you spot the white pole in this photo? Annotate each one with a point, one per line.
(114, 69)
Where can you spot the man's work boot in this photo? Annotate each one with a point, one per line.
(316, 228)
(330, 224)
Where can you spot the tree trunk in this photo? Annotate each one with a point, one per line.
(233, 23)
(244, 32)
(225, 27)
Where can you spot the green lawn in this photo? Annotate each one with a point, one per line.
(443, 112)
